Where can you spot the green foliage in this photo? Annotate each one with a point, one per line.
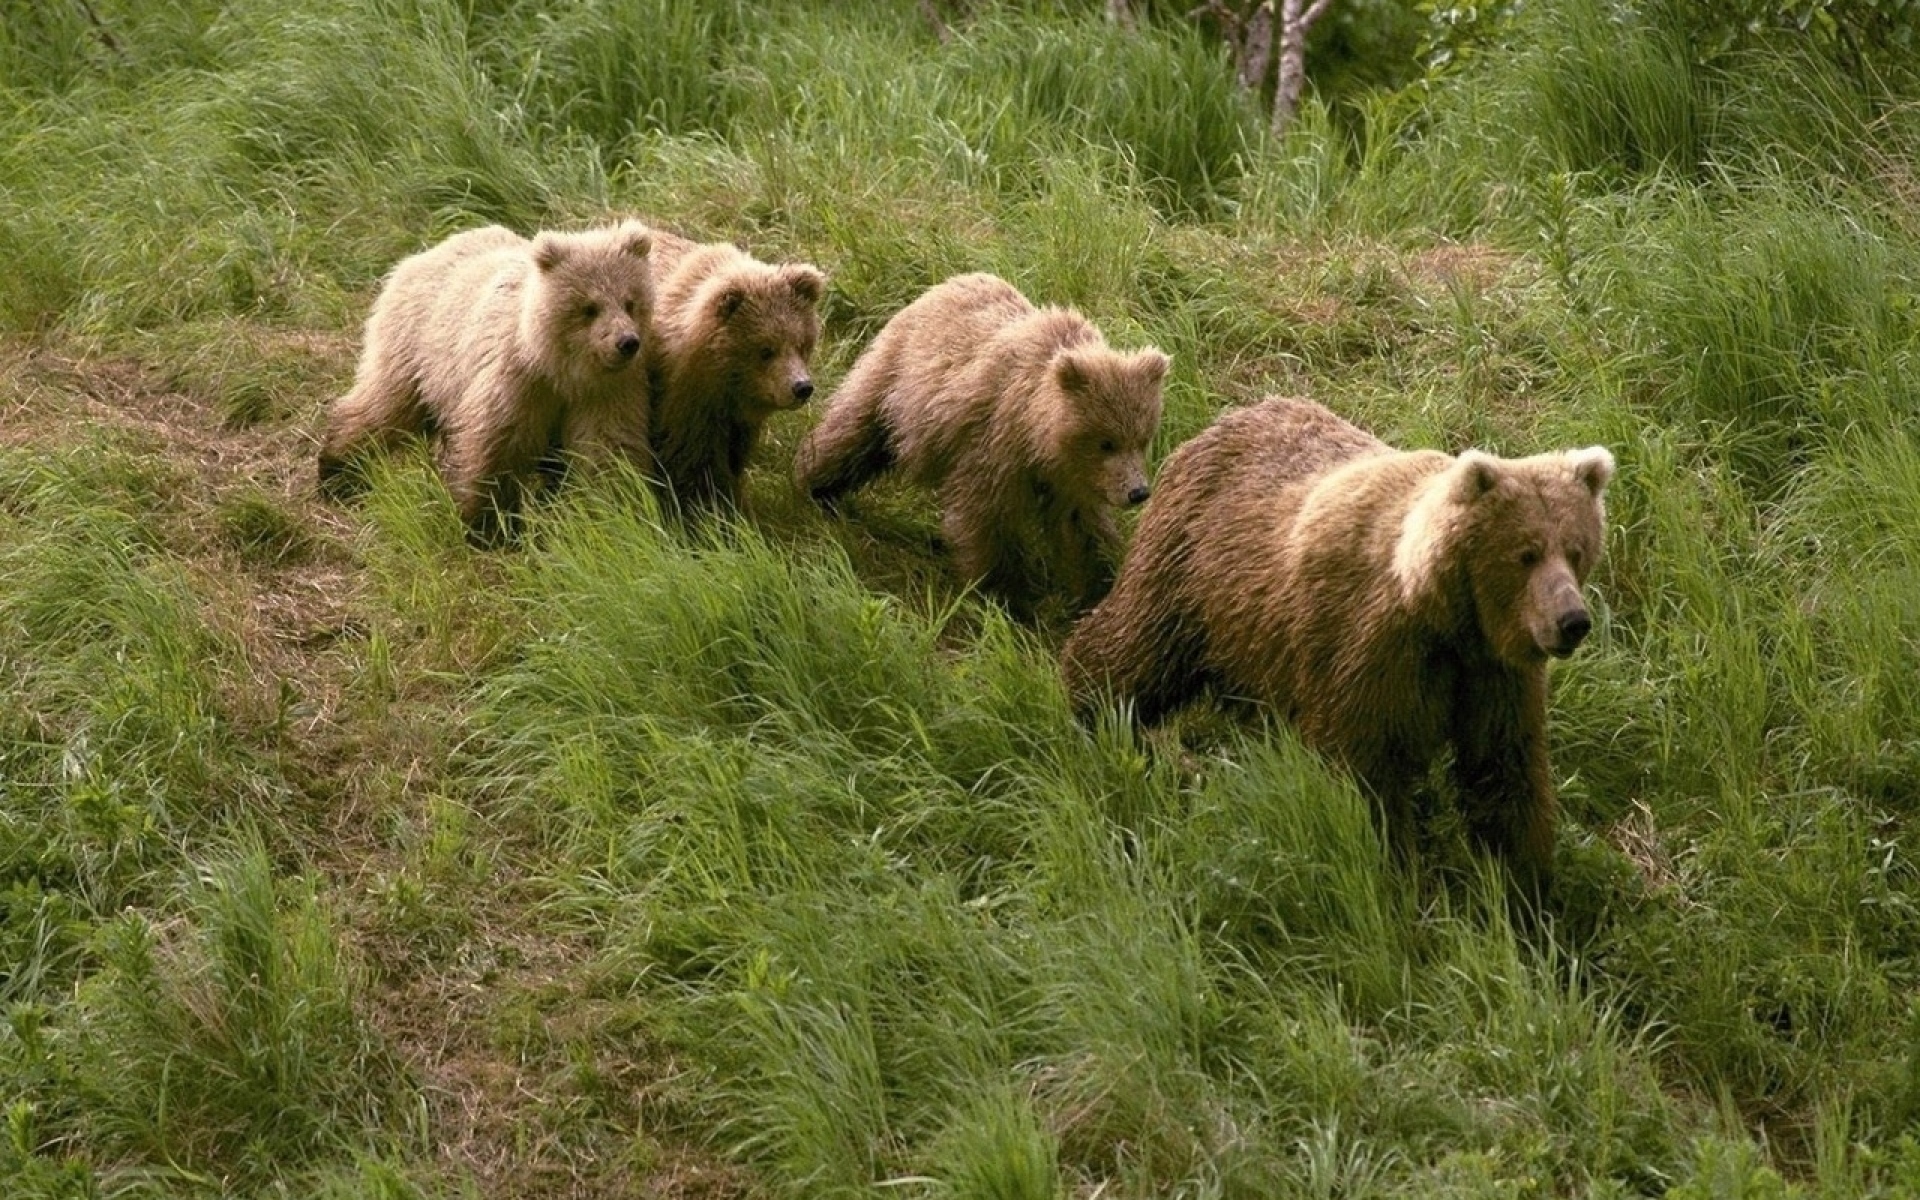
(1590, 85)
(118, 743)
(1862, 35)
(340, 859)
(997, 1149)
(615, 68)
(1753, 311)
(259, 529)
(1163, 104)
(230, 1046)
(45, 46)
(1860, 32)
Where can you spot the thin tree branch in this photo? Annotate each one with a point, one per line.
(99, 27)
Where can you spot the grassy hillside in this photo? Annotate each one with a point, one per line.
(340, 860)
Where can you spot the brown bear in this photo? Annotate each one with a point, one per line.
(1388, 604)
(733, 337)
(506, 350)
(1030, 428)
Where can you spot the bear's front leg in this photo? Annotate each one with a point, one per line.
(1088, 552)
(986, 554)
(488, 464)
(1504, 777)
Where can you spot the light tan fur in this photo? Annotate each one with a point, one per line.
(733, 339)
(1030, 428)
(1387, 603)
(507, 350)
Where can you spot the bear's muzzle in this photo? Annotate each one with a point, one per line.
(1572, 628)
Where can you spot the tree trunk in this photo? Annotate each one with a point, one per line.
(1295, 23)
(1254, 54)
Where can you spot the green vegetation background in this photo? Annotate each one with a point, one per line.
(338, 860)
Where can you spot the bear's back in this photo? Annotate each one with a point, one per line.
(450, 306)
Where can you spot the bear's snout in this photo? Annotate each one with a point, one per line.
(628, 345)
(1138, 493)
(1572, 628)
(802, 390)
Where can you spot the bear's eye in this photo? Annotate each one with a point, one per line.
(629, 307)
(1575, 558)
(766, 354)
(589, 311)
(1107, 446)
(1529, 558)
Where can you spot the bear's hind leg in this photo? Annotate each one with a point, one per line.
(381, 410)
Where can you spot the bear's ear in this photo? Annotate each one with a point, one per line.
(804, 281)
(727, 301)
(1474, 475)
(636, 239)
(549, 251)
(1152, 365)
(1593, 467)
(1071, 374)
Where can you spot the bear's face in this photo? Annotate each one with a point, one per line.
(768, 323)
(1534, 531)
(1109, 412)
(593, 299)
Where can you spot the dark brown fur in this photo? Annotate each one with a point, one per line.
(1387, 604)
(732, 341)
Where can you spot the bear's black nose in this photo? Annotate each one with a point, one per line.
(802, 390)
(1574, 627)
(628, 345)
(1138, 495)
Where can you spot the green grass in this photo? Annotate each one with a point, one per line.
(338, 859)
(231, 1047)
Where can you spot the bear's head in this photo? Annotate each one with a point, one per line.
(590, 303)
(1106, 412)
(764, 322)
(1519, 537)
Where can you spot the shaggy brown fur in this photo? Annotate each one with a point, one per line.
(1031, 429)
(507, 349)
(732, 340)
(1387, 603)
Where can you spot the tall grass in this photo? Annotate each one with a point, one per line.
(119, 743)
(849, 898)
(770, 850)
(614, 69)
(1854, 519)
(231, 1048)
(1754, 310)
(1602, 87)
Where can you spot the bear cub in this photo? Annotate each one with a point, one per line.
(1388, 604)
(505, 350)
(1028, 426)
(733, 337)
